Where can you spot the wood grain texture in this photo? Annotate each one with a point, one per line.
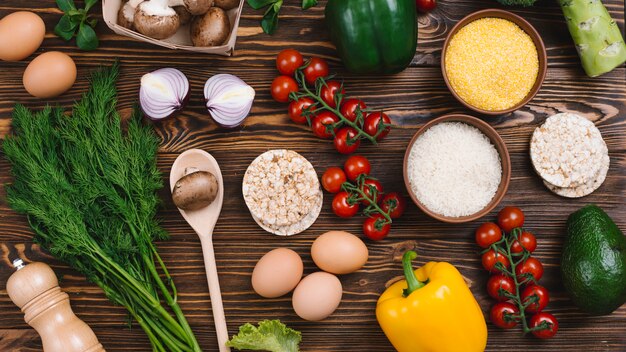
(411, 98)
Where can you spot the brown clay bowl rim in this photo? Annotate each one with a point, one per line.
(526, 27)
(498, 143)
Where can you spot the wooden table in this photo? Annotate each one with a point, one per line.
(411, 98)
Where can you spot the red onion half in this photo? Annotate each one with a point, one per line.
(163, 93)
(228, 99)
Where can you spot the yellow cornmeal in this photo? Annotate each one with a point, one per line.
(491, 64)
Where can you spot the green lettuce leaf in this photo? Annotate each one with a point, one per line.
(270, 335)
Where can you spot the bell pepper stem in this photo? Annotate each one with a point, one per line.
(409, 274)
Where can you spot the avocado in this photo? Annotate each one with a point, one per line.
(593, 264)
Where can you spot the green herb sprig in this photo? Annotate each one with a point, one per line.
(269, 22)
(77, 23)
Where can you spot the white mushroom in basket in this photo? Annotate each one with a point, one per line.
(126, 14)
(210, 29)
(156, 19)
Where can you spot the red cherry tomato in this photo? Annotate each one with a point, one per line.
(320, 123)
(548, 321)
(333, 178)
(296, 108)
(425, 6)
(503, 315)
(488, 234)
(345, 141)
(281, 87)
(349, 108)
(368, 185)
(355, 166)
(539, 303)
(288, 61)
(343, 206)
(316, 68)
(499, 282)
(329, 91)
(393, 204)
(375, 228)
(526, 241)
(510, 218)
(490, 258)
(373, 120)
(532, 266)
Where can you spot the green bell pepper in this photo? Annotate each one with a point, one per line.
(373, 36)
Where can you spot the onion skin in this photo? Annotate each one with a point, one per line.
(163, 93)
(228, 99)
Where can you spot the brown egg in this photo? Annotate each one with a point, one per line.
(317, 296)
(277, 273)
(339, 252)
(49, 75)
(21, 33)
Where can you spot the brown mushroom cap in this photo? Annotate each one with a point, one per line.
(183, 14)
(195, 190)
(125, 16)
(210, 29)
(198, 7)
(226, 4)
(155, 26)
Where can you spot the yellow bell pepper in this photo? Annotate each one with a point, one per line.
(433, 310)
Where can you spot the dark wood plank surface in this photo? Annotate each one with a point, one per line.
(411, 98)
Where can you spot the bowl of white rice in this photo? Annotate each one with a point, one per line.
(457, 168)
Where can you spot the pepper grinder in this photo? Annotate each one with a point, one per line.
(35, 289)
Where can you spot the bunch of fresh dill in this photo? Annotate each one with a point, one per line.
(87, 183)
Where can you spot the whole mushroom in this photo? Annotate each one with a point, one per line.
(155, 19)
(196, 190)
(226, 4)
(183, 14)
(195, 7)
(126, 14)
(210, 29)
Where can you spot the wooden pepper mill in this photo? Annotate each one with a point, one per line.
(35, 289)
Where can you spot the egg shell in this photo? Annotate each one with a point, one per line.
(21, 33)
(339, 252)
(49, 75)
(317, 296)
(277, 273)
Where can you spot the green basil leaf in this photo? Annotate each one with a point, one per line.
(92, 22)
(74, 12)
(65, 28)
(270, 20)
(257, 4)
(307, 4)
(86, 38)
(76, 19)
(66, 5)
(89, 4)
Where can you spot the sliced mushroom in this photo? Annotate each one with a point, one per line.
(210, 29)
(183, 14)
(226, 4)
(195, 190)
(195, 7)
(156, 19)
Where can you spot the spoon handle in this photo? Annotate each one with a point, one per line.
(214, 290)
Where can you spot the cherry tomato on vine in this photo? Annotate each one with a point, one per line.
(288, 60)
(349, 108)
(510, 218)
(425, 6)
(320, 122)
(355, 166)
(541, 301)
(393, 204)
(368, 184)
(316, 68)
(342, 207)
(296, 108)
(375, 227)
(503, 314)
(544, 319)
(329, 91)
(372, 122)
(333, 178)
(496, 283)
(489, 260)
(345, 140)
(488, 234)
(281, 87)
(526, 241)
(531, 266)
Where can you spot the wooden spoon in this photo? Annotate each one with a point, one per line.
(203, 222)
